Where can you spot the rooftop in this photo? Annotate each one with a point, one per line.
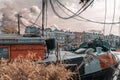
(19, 39)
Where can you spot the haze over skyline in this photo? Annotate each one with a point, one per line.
(31, 8)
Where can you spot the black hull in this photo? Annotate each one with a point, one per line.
(105, 74)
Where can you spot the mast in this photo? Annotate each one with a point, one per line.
(119, 31)
(44, 3)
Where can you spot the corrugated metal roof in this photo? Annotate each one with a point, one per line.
(19, 39)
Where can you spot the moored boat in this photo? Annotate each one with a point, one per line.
(94, 61)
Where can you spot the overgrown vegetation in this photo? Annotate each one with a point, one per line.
(20, 69)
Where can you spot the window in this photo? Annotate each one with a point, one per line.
(4, 53)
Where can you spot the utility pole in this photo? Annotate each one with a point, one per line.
(44, 3)
(18, 16)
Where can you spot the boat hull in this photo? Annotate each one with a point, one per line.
(89, 67)
(104, 74)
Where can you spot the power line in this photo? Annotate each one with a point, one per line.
(82, 9)
(34, 24)
(88, 20)
(37, 17)
(22, 23)
(29, 22)
(67, 13)
(87, 5)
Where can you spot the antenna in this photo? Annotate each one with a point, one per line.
(18, 16)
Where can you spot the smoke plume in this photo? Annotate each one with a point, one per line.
(9, 15)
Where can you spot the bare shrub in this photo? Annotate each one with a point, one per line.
(30, 70)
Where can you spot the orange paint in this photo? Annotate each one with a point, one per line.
(15, 50)
(106, 60)
(118, 50)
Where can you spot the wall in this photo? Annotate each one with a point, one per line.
(15, 50)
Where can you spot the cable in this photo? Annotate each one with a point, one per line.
(84, 7)
(29, 22)
(105, 16)
(67, 13)
(34, 24)
(113, 16)
(37, 18)
(88, 20)
(76, 18)
(22, 23)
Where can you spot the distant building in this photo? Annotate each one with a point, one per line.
(67, 39)
(112, 39)
(79, 38)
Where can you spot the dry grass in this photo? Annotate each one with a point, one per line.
(29, 70)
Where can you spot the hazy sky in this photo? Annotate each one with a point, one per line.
(94, 12)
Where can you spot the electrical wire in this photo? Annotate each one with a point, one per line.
(29, 22)
(67, 13)
(22, 23)
(79, 19)
(37, 18)
(87, 5)
(34, 24)
(84, 7)
(88, 20)
(57, 14)
(113, 16)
